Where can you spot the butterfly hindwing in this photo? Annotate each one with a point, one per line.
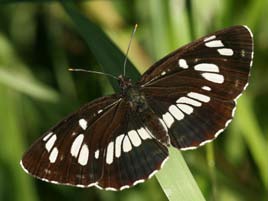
(194, 89)
(137, 155)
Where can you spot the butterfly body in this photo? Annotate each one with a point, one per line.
(185, 100)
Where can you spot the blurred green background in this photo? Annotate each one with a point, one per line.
(41, 39)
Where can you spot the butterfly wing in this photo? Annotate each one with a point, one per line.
(194, 89)
(136, 156)
(99, 145)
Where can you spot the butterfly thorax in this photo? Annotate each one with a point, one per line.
(133, 95)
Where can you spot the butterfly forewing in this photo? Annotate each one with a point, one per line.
(194, 89)
(62, 155)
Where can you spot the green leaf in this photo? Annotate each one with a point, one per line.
(175, 179)
(11, 149)
(108, 55)
(247, 121)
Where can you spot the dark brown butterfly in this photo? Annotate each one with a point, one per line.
(185, 100)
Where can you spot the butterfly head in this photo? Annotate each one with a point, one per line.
(124, 82)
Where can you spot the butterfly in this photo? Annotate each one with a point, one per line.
(184, 100)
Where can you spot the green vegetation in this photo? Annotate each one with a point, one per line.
(41, 39)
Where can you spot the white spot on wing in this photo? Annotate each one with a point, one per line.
(207, 88)
(97, 154)
(118, 145)
(110, 153)
(188, 148)
(189, 101)
(233, 111)
(199, 97)
(77, 145)
(205, 142)
(225, 51)
(219, 132)
(53, 182)
(163, 124)
(124, 187)
(164, 162)
(83, 124)
(228, 122)
(209, 38)
(185, 108)
(206, 67)
(134, 138)
(163, 73)
(138, 181)
(152, 174)
(176, 112)
(126, 144)
(248, 30)
(214, 43)
(168, 119)
(83, 156)
(50, 143)
(251, 62)
(144, 134)
(47, 136)
(183, 64)
(110, 189)
(213, 77)
(21, 164)
(53, 155)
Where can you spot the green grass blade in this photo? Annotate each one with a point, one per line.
(252, 133)
(107, 54)
(12, 146)
(177, 181)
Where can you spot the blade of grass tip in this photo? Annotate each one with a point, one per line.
(177, 181)
(111, 60)
(107, 54)
(252, 133)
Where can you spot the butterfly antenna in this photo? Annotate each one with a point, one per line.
(132, 34)
(92, 71)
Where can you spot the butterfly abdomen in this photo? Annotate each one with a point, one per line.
(156, 126)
